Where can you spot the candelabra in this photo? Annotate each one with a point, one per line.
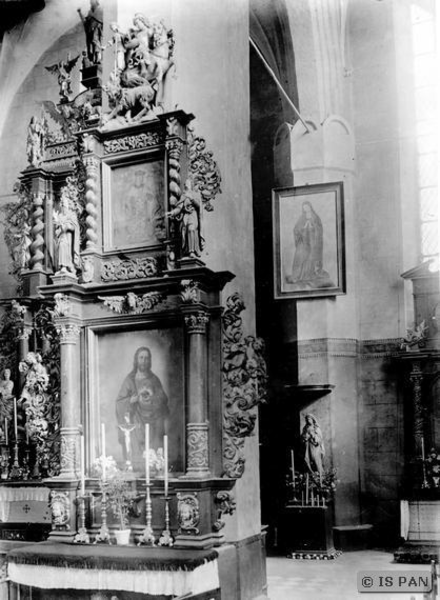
(166, 539)
(103, 536)
(16, 471)
(147, 536)
(82, 537)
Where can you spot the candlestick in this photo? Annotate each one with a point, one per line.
(15, 419)
(292, 458)
(165, 465)
(6, 432)
(103, 450)
(147, 454)
(82, 465)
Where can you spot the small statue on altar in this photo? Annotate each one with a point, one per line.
(63, 70)
(35, 141)
(312, 439)
(92, 23)
(6, 404)
(68, 237)
(127, 428)
(189, 212)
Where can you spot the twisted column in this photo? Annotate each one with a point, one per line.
(91, 187)
(37, 245)
(197, 435)
(174, 149)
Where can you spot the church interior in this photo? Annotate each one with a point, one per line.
(219, 295)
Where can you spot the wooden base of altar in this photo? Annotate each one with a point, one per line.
(307, 532)
(421, 527)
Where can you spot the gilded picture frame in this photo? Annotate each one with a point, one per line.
(309, 241)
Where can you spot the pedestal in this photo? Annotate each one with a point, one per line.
(306, 532)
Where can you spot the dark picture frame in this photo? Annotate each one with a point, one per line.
(309, 241)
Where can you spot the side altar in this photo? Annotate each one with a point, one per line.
(128, 385)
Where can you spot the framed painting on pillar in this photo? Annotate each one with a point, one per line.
(308, 241)
(136, 376)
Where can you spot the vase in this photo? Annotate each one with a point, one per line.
(122, 537)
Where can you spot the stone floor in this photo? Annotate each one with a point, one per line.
(335, 579)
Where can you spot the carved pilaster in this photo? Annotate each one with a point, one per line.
(416, 377)
(68, 332)
(174, 148)
(91, 164)
(197, 450)
(196, 323)
(69, 452)
(37, 245)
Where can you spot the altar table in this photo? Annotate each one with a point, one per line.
(150, 572)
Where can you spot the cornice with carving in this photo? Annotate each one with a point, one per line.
(133, 142)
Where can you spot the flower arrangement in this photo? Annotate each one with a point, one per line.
(119, 496)
(306, 486)
(432, 466)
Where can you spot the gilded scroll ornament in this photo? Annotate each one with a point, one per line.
(203, 169)
(190, 293)
(131, 303)
(138, 268)
(244, 385)
(225, 505)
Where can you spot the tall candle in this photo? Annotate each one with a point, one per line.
(147, 453)
(423, 448)
(103, 450)
(307, 488)
(6, 431)
(15, 419)
(292, 458)
(165, 465)
(82, 466)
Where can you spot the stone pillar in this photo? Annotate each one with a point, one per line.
(197, 447)
(69, 332)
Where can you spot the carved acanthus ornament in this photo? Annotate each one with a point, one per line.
(188, 513)
(196, 322)
(69, 454)
(244, 385)
(132, 142)
(132, 303)
(69, 333)
(17, 228)
(226, 505)
(190, 293)
(138, 268)
(203, 169)
(197, 447)
(60, 509)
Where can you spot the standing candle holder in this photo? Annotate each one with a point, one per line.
(103, 536)
(82, 537)
(16, 471)
(147, 538)
(166, 538)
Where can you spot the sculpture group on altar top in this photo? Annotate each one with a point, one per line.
(143, 56)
